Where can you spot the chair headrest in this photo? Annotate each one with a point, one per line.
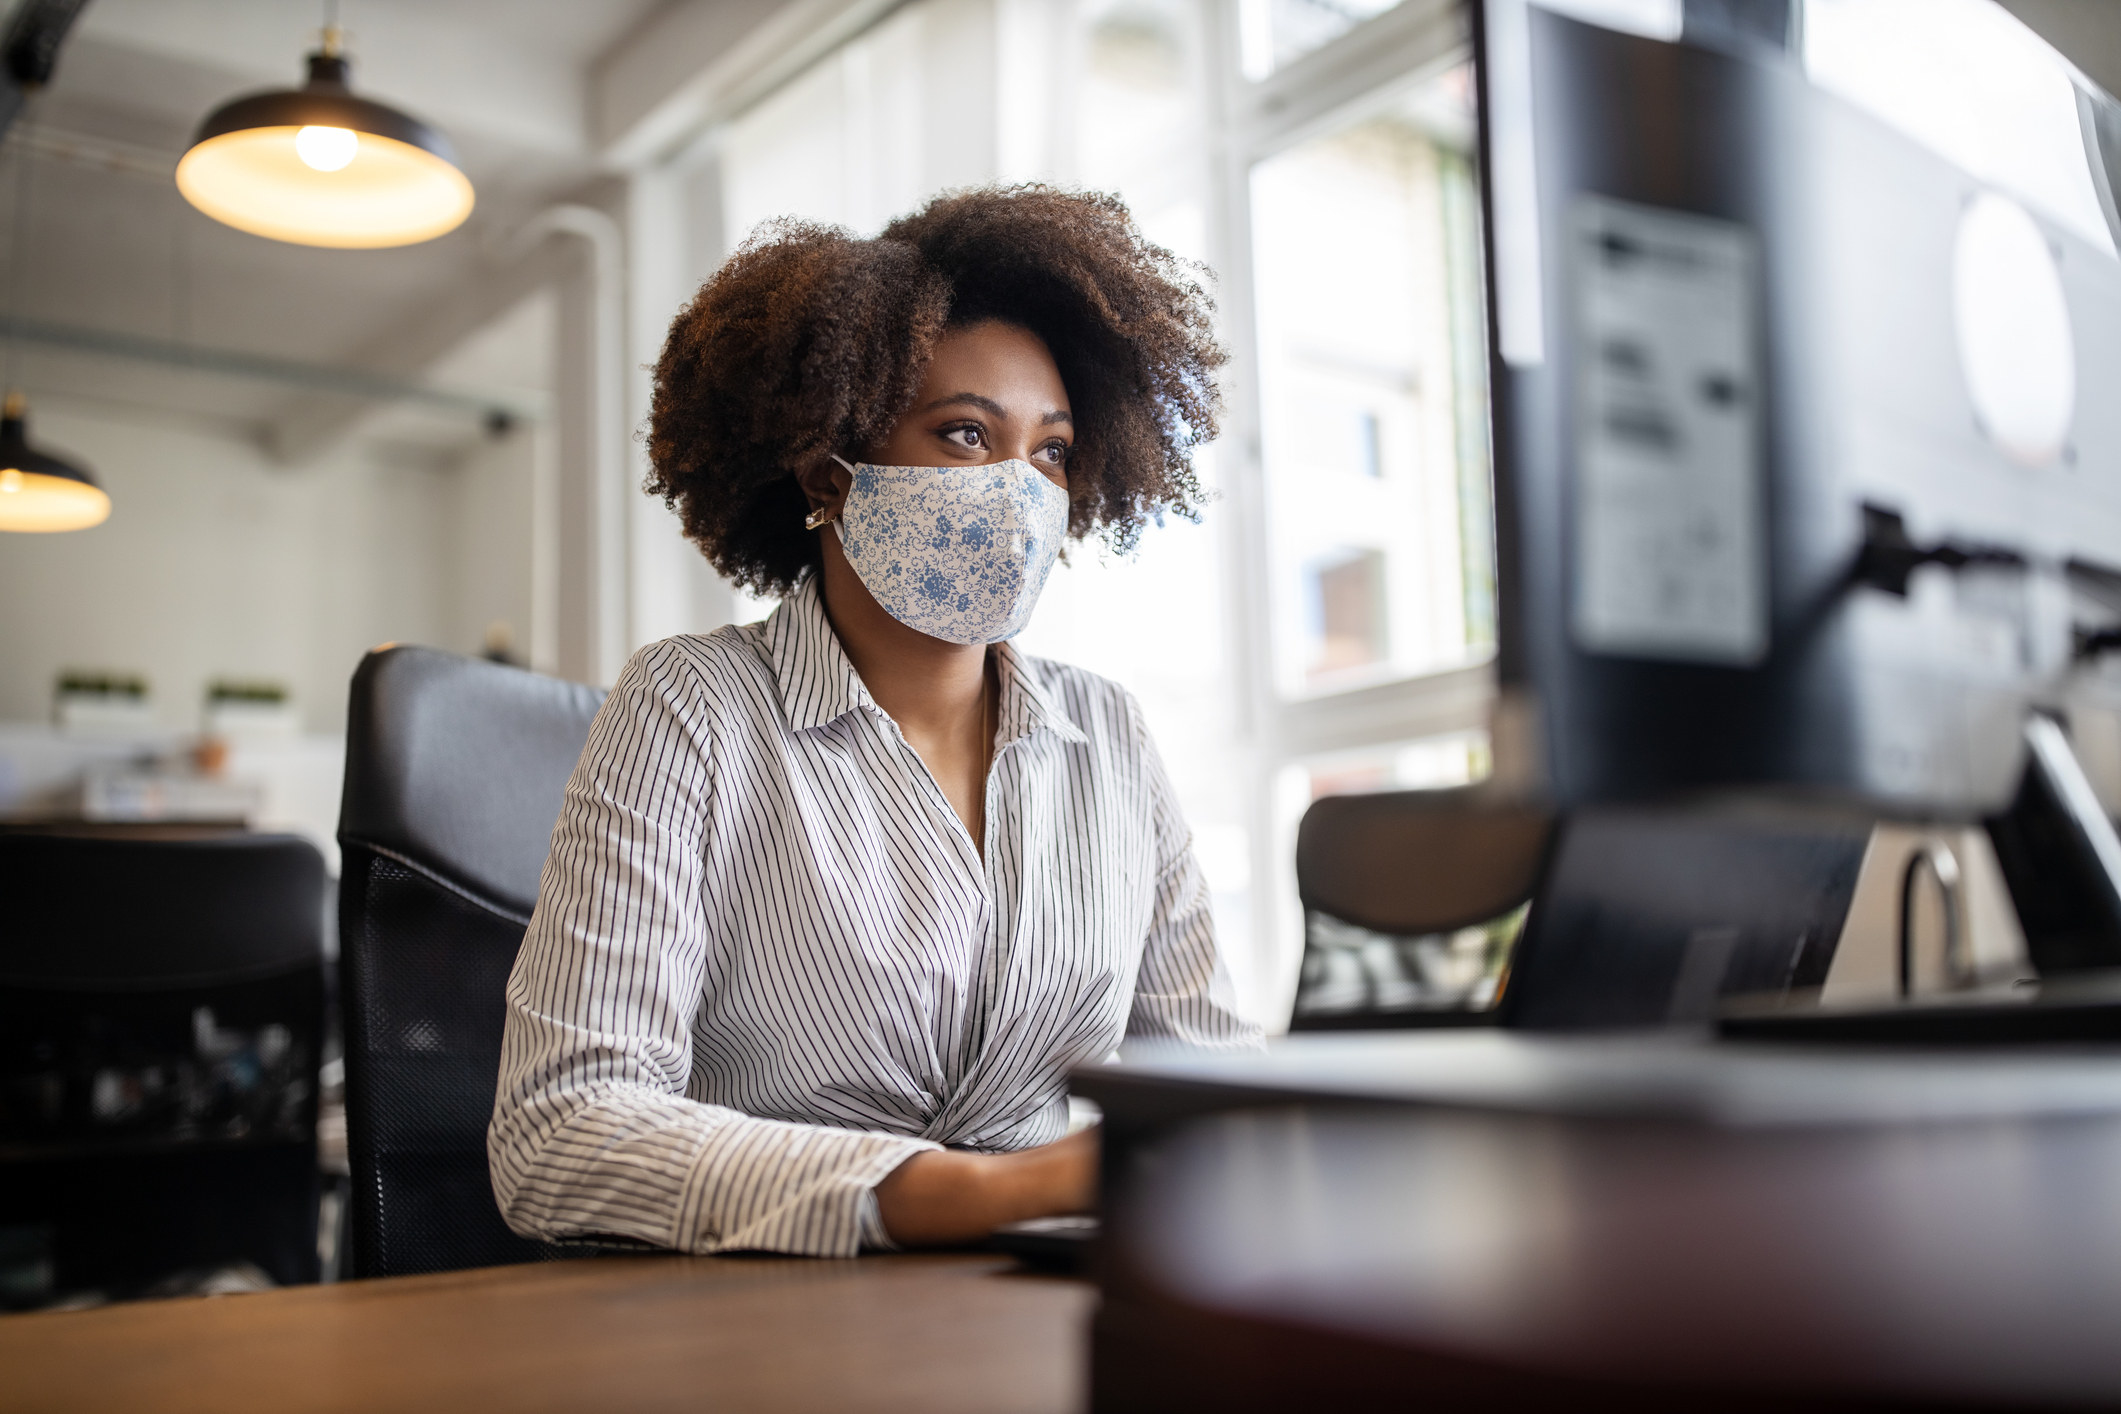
(459, 765)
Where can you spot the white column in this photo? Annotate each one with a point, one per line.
(590, 481)
(575, 500)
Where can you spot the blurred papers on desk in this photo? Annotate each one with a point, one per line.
(131, 794)
(265, 780)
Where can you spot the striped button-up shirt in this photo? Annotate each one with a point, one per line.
(768, 964)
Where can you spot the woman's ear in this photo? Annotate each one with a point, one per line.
(825, 484)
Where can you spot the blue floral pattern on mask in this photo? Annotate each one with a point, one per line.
(958, 552)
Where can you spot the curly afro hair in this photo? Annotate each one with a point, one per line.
(811, 342)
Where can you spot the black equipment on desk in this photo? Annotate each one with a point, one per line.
(455, 769)
(1617, 915)
(1805, 484)
(161, 1023)
(1650, 917)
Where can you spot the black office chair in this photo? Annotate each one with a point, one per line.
(161, 1018)
(455, 769)
(1385, 879)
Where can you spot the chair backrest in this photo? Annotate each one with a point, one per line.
(161, 1023)
(455, 769)
(1383, 877)
(1419, 861)
(89, 911)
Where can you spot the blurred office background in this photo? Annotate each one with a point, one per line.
(313, 451)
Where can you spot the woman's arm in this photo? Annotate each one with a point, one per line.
(946, 1196)
(592, 1133)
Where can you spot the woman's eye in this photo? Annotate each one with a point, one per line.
(969, 437)
(1055, 452)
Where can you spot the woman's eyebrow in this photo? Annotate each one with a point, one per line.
(989, 405)
(983, 403)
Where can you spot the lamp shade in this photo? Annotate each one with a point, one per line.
(38, 491)
(318, 166)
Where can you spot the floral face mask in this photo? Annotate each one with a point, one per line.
(957, 552)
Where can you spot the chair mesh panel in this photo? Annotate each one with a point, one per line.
(425, 974)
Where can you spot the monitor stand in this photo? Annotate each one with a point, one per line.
(2061, 860)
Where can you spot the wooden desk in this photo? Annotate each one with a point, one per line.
(1655, 1224)
(932, 1333)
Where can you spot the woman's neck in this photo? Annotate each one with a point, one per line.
(936, 691)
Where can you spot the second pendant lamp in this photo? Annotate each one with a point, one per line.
(318, 166)
(40, 491)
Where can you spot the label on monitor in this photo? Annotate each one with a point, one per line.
(1670, 512)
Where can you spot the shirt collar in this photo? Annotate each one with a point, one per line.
(1026, 706)
(819, 684)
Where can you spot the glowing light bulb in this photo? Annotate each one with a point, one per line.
(327, 149)
(10, 481)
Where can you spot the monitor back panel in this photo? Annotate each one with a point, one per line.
(1742, 333)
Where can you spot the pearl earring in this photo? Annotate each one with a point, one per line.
(816, 518)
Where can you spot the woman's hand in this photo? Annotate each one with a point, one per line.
(944, 1196)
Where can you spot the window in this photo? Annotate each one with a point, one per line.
(1354, 286)
(1346, 590)
(1969, 81)
(1276, 32)
(1366, 278)
(1431, 763)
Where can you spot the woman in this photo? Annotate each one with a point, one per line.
(837, 900)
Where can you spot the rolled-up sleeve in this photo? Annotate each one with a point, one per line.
(1184, 992)
(592, 1133)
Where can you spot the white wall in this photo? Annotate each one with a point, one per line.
(216, 563)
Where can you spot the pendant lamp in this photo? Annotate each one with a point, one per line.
(318, 166)
(39, 491)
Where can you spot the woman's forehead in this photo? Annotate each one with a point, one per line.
(997, 361)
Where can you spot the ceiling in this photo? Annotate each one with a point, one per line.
(109, 246)
(535, 94)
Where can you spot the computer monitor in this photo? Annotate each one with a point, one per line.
(1805, 324)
